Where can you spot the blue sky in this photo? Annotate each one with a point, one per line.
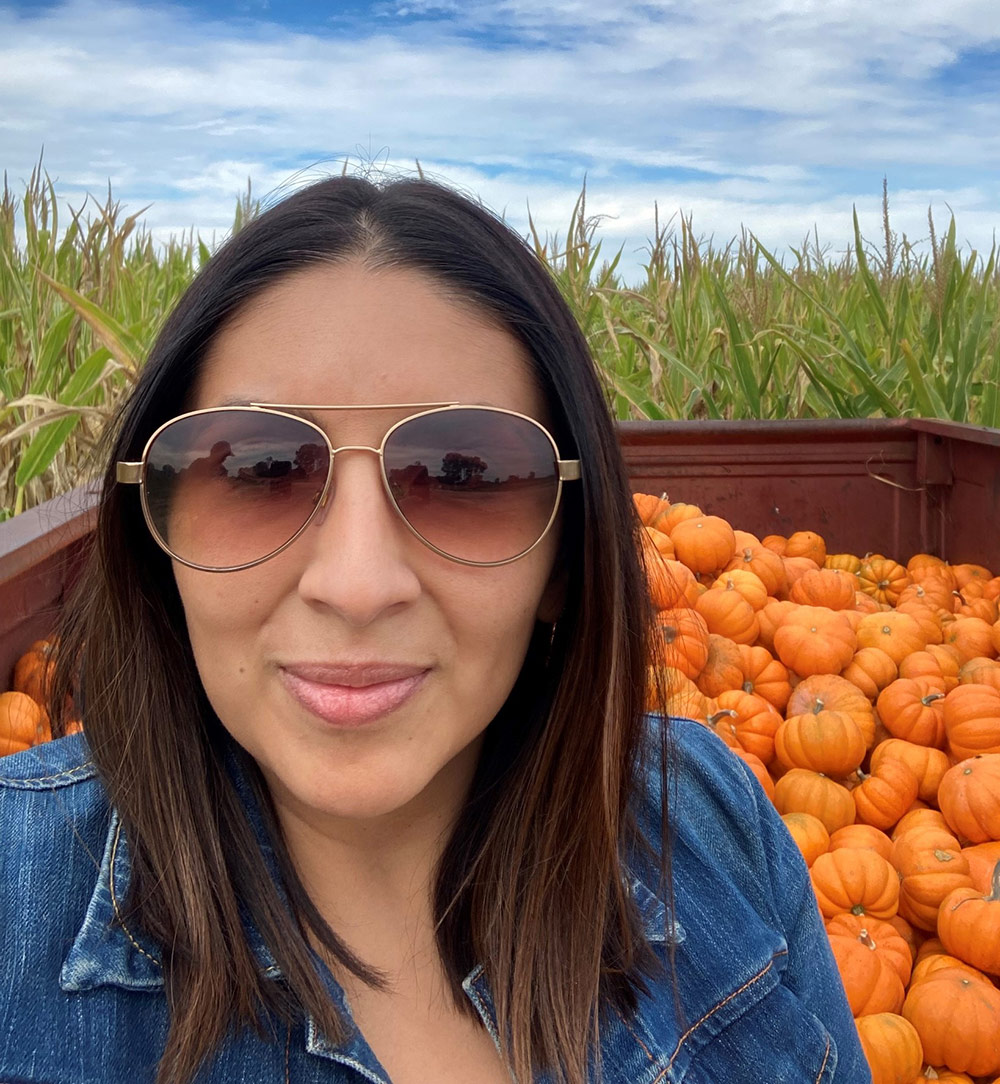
(776, 115)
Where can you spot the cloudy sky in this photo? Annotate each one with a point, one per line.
(777, 115)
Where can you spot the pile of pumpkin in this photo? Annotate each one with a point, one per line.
(24, 718)
(865, 696)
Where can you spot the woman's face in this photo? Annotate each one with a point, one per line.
(359, 667)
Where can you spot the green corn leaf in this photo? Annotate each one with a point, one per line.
(43, 449)
(123, 345)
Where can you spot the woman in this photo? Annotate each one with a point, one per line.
(367, 791)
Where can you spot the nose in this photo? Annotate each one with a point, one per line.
(360, 553)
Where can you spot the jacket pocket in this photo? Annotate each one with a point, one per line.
(759, 1031)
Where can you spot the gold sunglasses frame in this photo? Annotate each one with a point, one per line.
(129, 472)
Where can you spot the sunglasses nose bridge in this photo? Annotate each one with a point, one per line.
(334, 452)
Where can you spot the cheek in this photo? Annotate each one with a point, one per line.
(223, 616)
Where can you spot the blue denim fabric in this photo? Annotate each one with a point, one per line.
(81, 996)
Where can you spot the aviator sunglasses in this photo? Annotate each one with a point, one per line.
(226, 488)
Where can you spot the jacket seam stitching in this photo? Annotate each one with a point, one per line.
(632, 1032)
(826, 1058)
(114, 901)
(76, 770)
(694, 1027)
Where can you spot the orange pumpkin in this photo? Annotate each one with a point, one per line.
(862, 837)
(809, 833)
(892, 1047)
(871, 670)
(764, 675)
(883, 579)
(913, 709)
(749, 585)
(683, 640)
(704, 544)
(958, 1020)
(855, 881)
(723, 668)
(968, 924)
(870, 983)
(802, 791)
(918, 818)
(650, 508)
(897, 634)
(966, 573)
(23, 723)
(969, 797)
(806, 544)
(930, 864)
(982, 859)
(815, 640)
(825, 587)
(970, 636)
(845, 562)
(750, 720)
(770, 618)
(33, 670)
(670, 583)
(972, 720)
(727, 613)
(765, 564)
(882, 797)
(927, 764)
(759, 769)
(886, 940)
(823, 692)
(795, 568)
(934, 662)
(829, 742)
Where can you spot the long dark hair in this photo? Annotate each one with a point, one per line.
(531, 882)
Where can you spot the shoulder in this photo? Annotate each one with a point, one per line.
(721, 826)
(688, 769)
(54, 816)
(52, 765)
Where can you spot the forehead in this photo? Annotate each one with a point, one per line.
(350, 335)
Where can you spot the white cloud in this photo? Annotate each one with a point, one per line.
(774, 113)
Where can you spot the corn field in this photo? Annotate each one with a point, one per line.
(711, 331)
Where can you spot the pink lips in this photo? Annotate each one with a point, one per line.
(351, 695)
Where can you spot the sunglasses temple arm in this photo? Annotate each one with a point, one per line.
(129, 474)
(569, 469)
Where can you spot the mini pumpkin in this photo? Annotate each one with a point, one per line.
(883, 579)
(704, 544)
(971, 716)
(855, 881)
(968, 923)
(815, 640)
(969, 797)
(892, 1047)
(958, 1020)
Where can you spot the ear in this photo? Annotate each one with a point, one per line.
(553, 598)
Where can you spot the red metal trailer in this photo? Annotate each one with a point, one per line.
(895, 486)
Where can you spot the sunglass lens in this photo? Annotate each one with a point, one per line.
(229, 487)
(480, 485)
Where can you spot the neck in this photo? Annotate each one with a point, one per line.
(372, 878)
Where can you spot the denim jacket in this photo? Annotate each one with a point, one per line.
(82, 1001)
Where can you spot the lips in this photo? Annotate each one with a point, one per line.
(351, 695)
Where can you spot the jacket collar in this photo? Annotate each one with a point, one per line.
(110, 951)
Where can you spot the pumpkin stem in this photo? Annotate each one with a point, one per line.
(713, 719)
(866, 939)
(930, 698)
(858, 909)
(944, 856)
